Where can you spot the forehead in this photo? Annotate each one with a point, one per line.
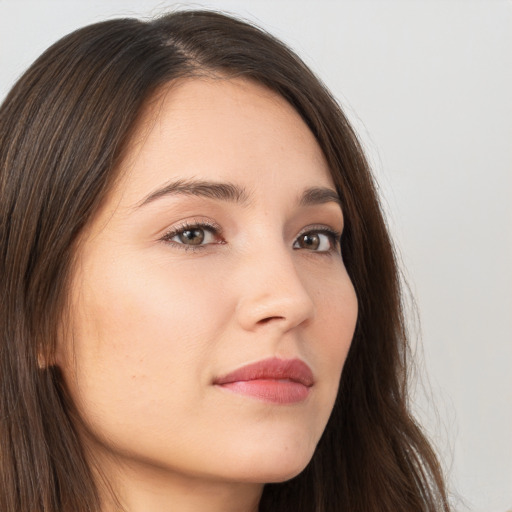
(223, 129)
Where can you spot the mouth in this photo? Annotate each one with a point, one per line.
(279, 381)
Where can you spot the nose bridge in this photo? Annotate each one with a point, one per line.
(271, 289)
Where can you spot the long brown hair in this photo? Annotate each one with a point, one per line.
(63, 128)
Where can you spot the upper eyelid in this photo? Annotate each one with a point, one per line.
(173, 231)
(216, 228)
(318, 227)
(321, 228)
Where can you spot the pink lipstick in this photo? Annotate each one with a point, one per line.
(280, 381)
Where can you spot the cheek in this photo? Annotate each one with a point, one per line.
(338, 313)
(336, 317)
(142, 339)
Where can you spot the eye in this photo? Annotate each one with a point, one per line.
(320, 240)
(193, 236)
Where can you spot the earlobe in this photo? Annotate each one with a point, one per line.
(41, 361)
(51, 354)
(45, 360)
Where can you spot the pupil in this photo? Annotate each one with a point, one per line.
(192, 236)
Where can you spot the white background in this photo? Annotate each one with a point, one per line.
(428, 85)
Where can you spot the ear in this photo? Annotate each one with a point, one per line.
(51, 354)
(59, 352)
(45, 357)
(41, 361)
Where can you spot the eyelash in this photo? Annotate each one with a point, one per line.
(216, 230)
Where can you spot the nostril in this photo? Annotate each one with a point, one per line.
(268, 319)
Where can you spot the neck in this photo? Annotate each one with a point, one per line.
(154, 490)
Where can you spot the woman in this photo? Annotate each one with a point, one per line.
(184, 326)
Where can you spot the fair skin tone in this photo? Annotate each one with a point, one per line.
(178, 284)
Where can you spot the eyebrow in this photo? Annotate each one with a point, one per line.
(209, 189)
(233, 193)
(319, 195)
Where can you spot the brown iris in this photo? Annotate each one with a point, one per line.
(309, 241)
(194, 236)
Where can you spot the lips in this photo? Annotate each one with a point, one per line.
(279, 381)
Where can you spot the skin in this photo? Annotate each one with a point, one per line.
(154, 322)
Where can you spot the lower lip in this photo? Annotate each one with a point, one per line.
(273, 391)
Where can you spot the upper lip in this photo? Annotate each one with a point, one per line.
(293, 370)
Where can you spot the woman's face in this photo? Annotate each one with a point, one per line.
(216, 250)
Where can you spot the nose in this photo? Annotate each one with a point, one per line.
(271, 291)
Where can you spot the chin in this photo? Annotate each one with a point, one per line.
(269, 468)
(276, 477)
(280, 474)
